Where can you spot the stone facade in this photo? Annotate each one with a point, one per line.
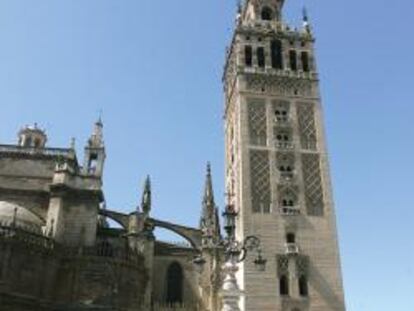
(57, 251)
(277, 164)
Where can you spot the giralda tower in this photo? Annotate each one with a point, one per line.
(277, 165)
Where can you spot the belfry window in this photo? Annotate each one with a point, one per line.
(248, 55)
(293, 60)
(305, 61)
(276, 53)
(267, 14)
(175, 284)
(261, 57)
(284, 285)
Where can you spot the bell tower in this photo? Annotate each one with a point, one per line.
(277, 165)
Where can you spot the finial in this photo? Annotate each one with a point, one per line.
(305, 14)
(208, 192)
(146, 196)
(96, 139)
(305, 19)
(100, 117)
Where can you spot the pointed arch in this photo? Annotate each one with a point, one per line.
(175, 280)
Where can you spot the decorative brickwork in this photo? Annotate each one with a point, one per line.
(260, 181)
(282, 265)
(302, 265)
(307, 128)
(278, 85)
(313, 184)
(257, 123)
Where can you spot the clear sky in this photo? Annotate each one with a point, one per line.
(154, 67)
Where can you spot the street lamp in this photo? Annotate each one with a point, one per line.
(235, 252)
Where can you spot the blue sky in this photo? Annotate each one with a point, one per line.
(154, 67)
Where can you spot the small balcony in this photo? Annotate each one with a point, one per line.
(290, 210)
(292, 249)
(284, 144)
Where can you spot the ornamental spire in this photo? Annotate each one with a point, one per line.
(209, 221)
(96, 139)
(146, 196)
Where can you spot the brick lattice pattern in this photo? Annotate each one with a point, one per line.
(260, 181)
(313, 184)
(307, 128)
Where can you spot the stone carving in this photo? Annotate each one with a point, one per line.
(313, 184)
(279, 85)
(260, 181)
(307, 128)
(257, 123)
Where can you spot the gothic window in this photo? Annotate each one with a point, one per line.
(257, 122)
(313, 184)
(286, 165)
(288, 197)
(281, 111)
(284, 285)
(276, 53)
(261, 61)
(303, 286)
(267, 14)
(248, 55)
(260, 181)
(305, 61)
(175, 284)
(307, 127)
(293, 60)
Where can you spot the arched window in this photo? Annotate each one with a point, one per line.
(276, 53)
(261, 57)
(267, 14)
(303, 286)
(284, 285)
(305, 61)
(175, 283)
(293, 60)
(248, 55)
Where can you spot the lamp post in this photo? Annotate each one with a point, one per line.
(235, 252)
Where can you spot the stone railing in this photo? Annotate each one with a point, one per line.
(55, 152)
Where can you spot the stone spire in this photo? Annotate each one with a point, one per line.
(96, 139)
(146, 197)
(209, 221)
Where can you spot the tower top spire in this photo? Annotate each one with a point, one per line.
(96, 140)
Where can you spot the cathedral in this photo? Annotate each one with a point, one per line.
(58, 251)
